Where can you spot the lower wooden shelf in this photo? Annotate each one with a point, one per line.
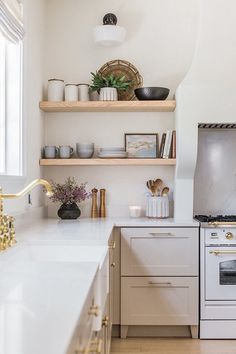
(107, 162)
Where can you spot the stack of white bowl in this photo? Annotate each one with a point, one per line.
(85, 150)
(112, 153)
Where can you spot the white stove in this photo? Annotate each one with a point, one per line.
(218, 279)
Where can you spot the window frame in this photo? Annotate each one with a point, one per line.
(21, 176)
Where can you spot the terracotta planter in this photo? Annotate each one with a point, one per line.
(69, 211)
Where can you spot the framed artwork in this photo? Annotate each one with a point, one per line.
(141, 145)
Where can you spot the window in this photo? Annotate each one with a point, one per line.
(10, 108)
(11, 35)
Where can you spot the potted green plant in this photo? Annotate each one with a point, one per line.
(109, 86)
(69, 194)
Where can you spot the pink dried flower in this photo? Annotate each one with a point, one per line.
(69, 192)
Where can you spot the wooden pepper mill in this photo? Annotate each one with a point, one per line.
(94, 210)
(102, 209)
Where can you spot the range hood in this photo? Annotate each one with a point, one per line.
(206, 95)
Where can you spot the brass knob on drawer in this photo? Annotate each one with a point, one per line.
(96, 346)
(113, 265)
(105, 321)
(94, 311)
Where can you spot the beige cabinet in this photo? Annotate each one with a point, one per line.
(84, 331)
(159, 277)
(159, 252)
(159, 300)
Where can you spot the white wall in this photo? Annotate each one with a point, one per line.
(34, 16)
(160, 43)
(207, 95)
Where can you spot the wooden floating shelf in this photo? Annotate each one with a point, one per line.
(107, 162)
(108, 106)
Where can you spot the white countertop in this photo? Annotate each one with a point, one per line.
(40, 305)
(41, 301)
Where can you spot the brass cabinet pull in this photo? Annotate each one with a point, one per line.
(105, 321)
(112, 246)
(96, 346)
(94, 311)
(113, 265)
(216, 253)
(82, 351)
(159, 283)
(161, 234)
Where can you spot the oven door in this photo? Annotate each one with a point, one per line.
(220, 273)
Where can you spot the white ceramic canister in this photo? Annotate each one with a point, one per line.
(55, 90)
(108, 94)
(83, 92)
(157, 207)
(71, 92)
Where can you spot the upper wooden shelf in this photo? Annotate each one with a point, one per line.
(107, 162)
(108, 106)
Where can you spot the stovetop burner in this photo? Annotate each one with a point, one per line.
(217, 218)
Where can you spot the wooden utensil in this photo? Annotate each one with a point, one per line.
(158, 183)
(165, 191)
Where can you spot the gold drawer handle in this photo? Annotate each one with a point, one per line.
(82, 351)
(112, 246)
(113, 265)
(105, 321)
(216, 253)
(161, 234)
(96, 346)
(160, 283)
(94, 311)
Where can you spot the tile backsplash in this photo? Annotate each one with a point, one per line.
(215, 175)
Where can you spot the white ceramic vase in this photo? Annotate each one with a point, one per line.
(108, 94)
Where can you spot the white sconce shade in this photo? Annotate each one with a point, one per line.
(109, 34)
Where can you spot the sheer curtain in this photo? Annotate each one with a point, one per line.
(11, 20)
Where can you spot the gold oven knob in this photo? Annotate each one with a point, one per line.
(229, 235)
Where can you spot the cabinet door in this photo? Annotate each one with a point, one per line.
(84, 330)
(159, 251)
(159, 301)
(115, 288)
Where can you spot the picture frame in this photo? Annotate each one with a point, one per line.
(142, 145)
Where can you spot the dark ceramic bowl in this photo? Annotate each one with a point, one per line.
(151, 93)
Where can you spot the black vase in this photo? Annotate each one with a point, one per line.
(69, 211)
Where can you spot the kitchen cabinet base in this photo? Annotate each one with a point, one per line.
(156, 331)
(124, 331)
(194, 331)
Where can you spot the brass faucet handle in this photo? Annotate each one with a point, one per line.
(4, 242)
(1, 244)
(12, 239)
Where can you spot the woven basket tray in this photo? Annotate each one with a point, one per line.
(119, 68)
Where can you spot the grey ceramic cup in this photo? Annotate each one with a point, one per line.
(85, 150)
(65, 152)
(50, 152)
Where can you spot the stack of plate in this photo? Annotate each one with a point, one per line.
(112, 153)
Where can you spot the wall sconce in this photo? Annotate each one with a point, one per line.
(109, 33)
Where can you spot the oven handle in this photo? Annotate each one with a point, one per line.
(216, 252)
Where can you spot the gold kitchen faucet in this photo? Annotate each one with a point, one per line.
(7, 229)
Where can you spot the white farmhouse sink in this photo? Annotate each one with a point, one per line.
(71, 252)
(55, 252)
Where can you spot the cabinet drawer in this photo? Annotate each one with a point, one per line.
(159, 301)
(159, 251)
